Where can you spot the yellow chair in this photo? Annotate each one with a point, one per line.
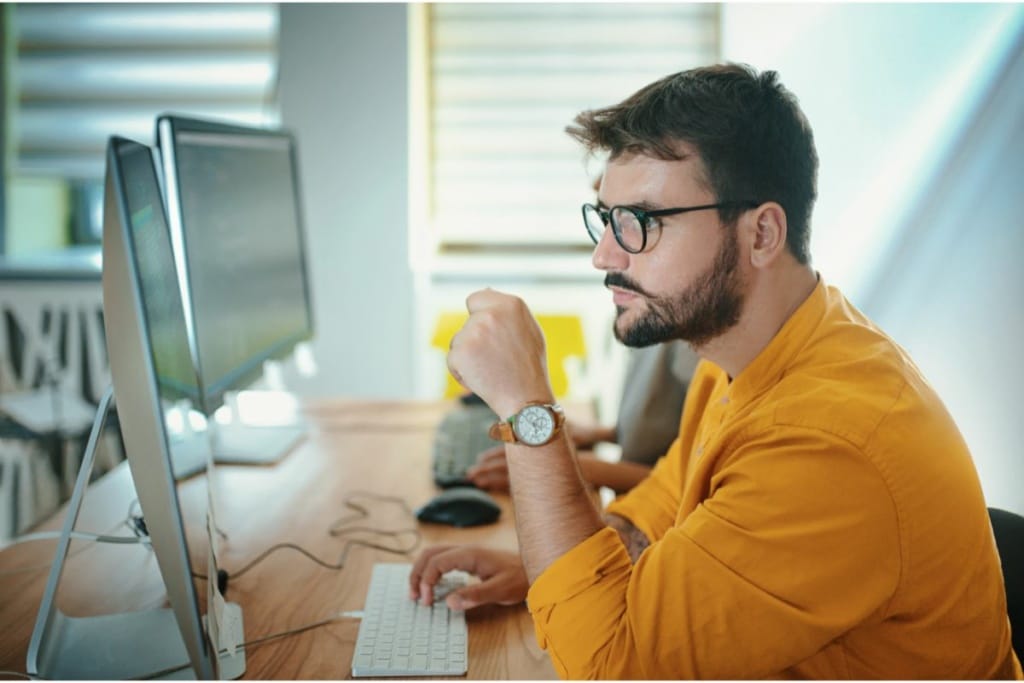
(563, 335)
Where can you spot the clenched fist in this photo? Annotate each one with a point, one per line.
(499, 353)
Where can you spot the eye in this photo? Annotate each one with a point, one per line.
(652, 223)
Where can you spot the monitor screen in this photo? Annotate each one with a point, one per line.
(161, 296)
(234, 204)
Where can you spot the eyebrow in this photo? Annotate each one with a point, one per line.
(642, 205)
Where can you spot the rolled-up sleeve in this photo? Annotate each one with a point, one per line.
(652, 505)
(599, 567)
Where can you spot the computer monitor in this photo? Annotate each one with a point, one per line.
(143, 319)
(234, 205)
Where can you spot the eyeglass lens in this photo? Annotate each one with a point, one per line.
(629, 232)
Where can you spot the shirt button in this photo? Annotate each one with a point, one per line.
(725, 399)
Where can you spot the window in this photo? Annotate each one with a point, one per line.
(501, 82)
(82, 72)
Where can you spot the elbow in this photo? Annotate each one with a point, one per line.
(613, 659)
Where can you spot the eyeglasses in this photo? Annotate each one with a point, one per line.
(630, 224)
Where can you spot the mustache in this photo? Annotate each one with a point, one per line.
(624, 282)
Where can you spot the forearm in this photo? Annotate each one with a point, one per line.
(618, 476)
(554, 510)
(589, 435)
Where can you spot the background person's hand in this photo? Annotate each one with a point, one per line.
(502, 577)
(587, 435)
(490, 471)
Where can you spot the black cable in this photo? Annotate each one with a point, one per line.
(336, 529)
(323, 563)
(136, 524)
(261, 640)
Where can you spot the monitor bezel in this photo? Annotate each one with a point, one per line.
(168, 127)
(139, 406)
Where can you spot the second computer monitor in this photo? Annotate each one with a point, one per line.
(234, 204)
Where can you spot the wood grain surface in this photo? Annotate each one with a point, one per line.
(353, 448)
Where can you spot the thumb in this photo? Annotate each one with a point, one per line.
(466, 598)
(490, 591)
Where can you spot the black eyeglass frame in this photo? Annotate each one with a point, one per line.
(643, 217)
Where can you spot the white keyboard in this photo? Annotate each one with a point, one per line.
(458, 440)
(400, 637)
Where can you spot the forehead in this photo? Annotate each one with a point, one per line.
(637, 178)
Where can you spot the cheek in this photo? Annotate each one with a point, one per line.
(678, 262)
(666, 277)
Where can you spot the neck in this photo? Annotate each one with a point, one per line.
(772, 299)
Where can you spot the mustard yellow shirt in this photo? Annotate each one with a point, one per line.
(819, 516)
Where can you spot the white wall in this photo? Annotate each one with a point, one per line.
(890, 91)
(344, 91)
(887, 89)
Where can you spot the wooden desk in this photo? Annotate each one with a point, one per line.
(353, 446)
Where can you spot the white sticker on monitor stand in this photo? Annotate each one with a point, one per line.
(212, 618)
(225, 627)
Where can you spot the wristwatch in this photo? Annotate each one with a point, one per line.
(535, 424)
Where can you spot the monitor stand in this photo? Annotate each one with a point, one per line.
(235, 436)
(187, 440)
(255, 428)
(128, 645)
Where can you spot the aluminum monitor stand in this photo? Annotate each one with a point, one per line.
(128, 645)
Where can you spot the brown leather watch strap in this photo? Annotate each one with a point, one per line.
(504, 430)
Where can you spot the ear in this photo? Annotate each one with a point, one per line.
(768, 232)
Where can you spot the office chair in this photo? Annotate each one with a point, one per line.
(1008, 529)
(563, 334)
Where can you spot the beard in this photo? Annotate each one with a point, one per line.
(706, 309)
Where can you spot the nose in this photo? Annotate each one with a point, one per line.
(608, 255)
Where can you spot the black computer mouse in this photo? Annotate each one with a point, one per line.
(460, 506)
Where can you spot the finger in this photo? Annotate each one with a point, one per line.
(482, 298)
(479, 480)
(489, 476)
(499, 589)
(440, 563)
(491, 455)
(499, 482)
(452, 370)
(418, 566)
(491, 467)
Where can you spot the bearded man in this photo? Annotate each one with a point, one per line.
(819, 515)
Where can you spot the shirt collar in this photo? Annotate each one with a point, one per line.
(771, 364)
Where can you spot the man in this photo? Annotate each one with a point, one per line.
(819, 514)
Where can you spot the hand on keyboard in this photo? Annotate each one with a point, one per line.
(502, 577)
(449, 583)
(490, 471)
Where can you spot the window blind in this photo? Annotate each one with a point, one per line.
(505, 80)
(85, 71)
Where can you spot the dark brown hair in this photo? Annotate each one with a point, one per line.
(754, 141)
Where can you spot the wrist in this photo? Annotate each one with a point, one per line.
(507, 407)
(535, 424)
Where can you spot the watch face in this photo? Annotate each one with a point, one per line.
(534, 425)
